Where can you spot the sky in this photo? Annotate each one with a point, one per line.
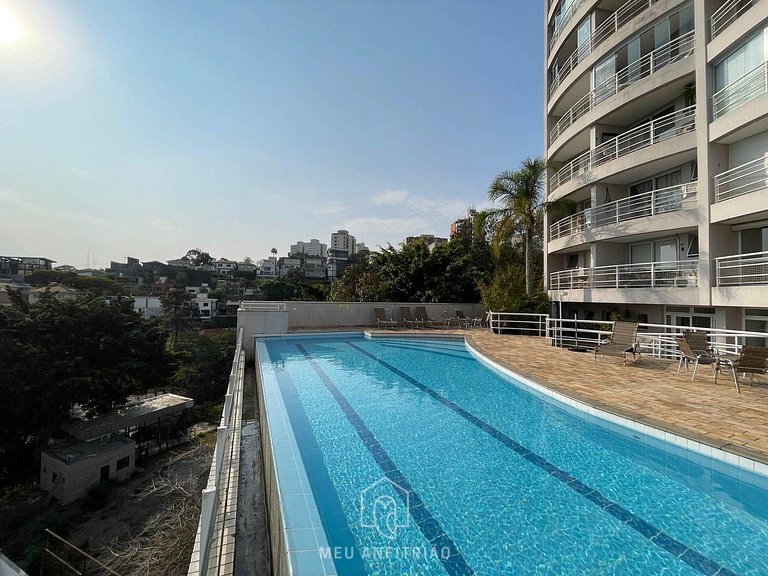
(147, 128)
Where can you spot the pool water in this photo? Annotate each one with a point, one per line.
(422, 460)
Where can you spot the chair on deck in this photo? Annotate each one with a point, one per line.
(696, 353)
(421, 314)
(463, 320)
(622, 340)
(752, 360)
(382, 320)
(405, 314)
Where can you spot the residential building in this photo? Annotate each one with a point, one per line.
(267, 267)
(23, 265)
(206, 306)
(314, 267)
(336, 263)
(459, 225)
(656, 114)
(431, 240)
(361, 247)
(343, 240)
(182, 262)
(58, 291)
(148, 306)
(285, 264)
(312, 248)
(246, 267)
(224, 268)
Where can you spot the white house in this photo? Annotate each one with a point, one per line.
(148, 306)
(206, 306)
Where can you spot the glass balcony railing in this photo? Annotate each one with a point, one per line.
(744, 179)
(605, 30)
(673, 51)
(670, 274)
(659, 201)
(742, 269)
(753, 84)
(727, 13)
(648, 134)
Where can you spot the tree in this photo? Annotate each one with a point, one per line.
(65, 268)
(274, 251)
(87, 351)
(198, 257)
(520, 196)
(247, 260)
(179, 311)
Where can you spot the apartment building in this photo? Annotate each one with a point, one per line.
(656, 122)
(312, 248)
(343, 240)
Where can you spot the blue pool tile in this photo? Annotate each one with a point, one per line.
(301, 539)
(306, 563)
(669, 544)
(619, 512)
(643, 527)
(704, 564)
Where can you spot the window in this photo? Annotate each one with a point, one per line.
(744, 59)
(641, 253)
(573, 261)
(754, 240)
(693, 246)
(123, 463)
(755, 320)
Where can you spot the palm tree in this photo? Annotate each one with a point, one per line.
(274, 251)
(520, 198)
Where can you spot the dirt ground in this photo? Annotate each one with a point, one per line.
(150, 520)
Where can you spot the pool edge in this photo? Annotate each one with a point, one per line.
(705, 446)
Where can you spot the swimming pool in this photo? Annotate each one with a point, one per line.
(403, 456)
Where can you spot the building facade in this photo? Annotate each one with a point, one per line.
(342, 240)
(656, 123)
(23, 265)
(312, 248)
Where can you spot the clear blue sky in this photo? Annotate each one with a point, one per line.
(145, 128)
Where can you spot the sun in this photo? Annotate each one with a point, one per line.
(11, 29)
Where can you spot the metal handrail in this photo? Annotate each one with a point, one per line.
(742, 269)
(255, 306)
(749, 177)
(518, 322)
(727, 13)
(666, 274)
(607, 28)
(564, 19)
(672, 51)
(753, 84)
(663, 200)
(648, 134)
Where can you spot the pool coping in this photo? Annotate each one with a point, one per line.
(281, 524)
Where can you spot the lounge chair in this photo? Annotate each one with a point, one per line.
(421, 314)
(382, 320)
(696, 355)
(405, 314)
(752, 360)
(622, 340)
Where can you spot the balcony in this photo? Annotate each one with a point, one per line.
(744, 179)
(651, 203)
(753, 84)
(609, 26)
(648, 134)
(672, 274)
(673, 51)
(742, 269)
(564, 18)
(727, 13)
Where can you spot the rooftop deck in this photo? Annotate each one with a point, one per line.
(648, 391)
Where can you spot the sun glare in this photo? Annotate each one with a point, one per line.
(10, 27)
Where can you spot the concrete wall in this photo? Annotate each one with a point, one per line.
(8, 568)
(76, 478)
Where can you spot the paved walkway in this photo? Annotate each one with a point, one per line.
(648, 391)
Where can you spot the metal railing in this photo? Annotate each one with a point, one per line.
(753, 84)
(742, 269)
(673, 51)
(648, 134)
(605, 30)
(656, 340)
(220, 494)
(666, 274)
(749, 177)
(563, 19)
(254, 306)
(661, 201)
(727, 13)
(518, 323)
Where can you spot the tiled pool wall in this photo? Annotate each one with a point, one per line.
(296, 534)
(291, 509)
(655, 436)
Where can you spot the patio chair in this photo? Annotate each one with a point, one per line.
(405, 314)
(752, 360)
(382, 320)
(421, 314)
(690, 353)
(622, 340)
(463, 320)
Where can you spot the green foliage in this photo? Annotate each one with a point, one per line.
(101, 285)
(45, 277)
(179, 311)
(206, 412)
(85, 351)
(202, 364)
(197, 257)
(277, 290)
(506, 293)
